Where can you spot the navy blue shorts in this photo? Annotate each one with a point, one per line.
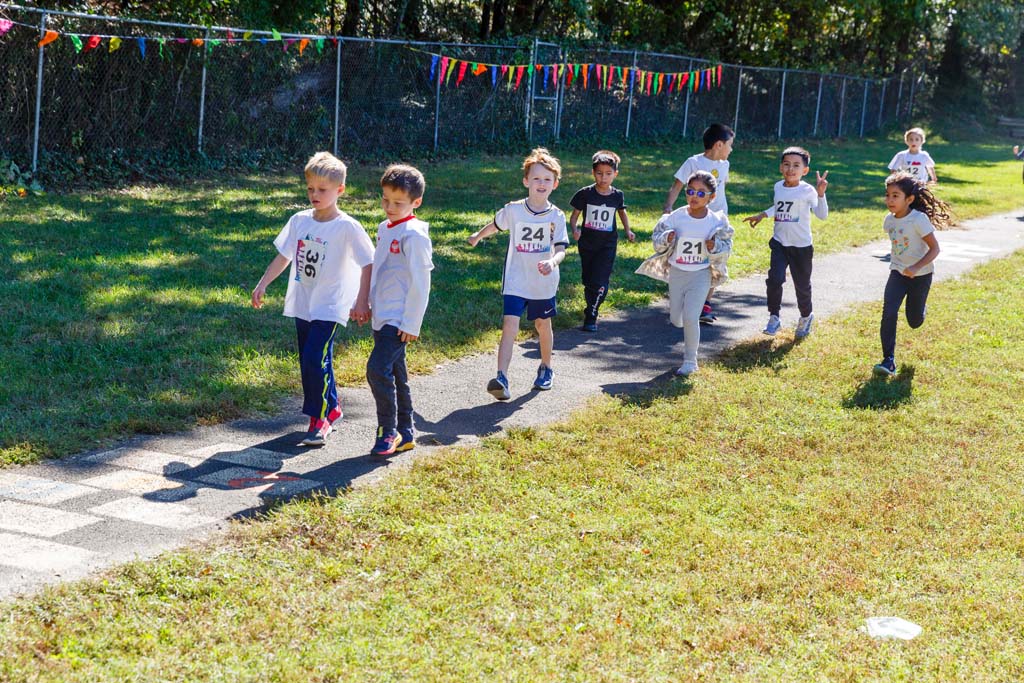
(535, 308)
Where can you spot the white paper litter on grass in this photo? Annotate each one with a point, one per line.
(892, 627)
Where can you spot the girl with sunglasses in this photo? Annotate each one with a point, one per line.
(694, 233)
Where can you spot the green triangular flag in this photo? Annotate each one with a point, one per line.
(575, 71)
(273, 32)
(319, 44)
(529, 69)
(77, 41)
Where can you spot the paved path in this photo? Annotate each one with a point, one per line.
(67, 518)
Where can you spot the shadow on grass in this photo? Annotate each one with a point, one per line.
(644, 394)
(758, 353)
(882, 393)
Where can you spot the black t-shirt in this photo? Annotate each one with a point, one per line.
(598, 222)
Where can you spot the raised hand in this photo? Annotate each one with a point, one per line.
(822, 183)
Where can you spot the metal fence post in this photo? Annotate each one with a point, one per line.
(739, 89)
(864, 108)
(910, 104)
(337, 95)
(817, 107)
(782, 100)
(529, 90)
(881, 104)
(437, 98)
(686, 110)
(899, 96)
(558, 94)
(39, 96)
(632, 80)
(202, 91)
(842, 107)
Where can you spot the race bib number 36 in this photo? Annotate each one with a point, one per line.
(534, 238)
(309, 258)
(599, 218)
(691, 252)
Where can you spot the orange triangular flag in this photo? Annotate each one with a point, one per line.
(480, 68)
(302, 44)
(48, 38)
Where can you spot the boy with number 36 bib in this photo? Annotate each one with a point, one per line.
(331, 261)
(536, 245)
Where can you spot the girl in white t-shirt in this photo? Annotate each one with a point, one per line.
(914, 214)
(691, 229)
(914, 160)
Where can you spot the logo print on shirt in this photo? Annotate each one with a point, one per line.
(394, 247)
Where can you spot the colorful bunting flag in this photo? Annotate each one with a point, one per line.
(5, 26)
(462, 72)
(451, 70)
(247, 35)
(275, 34)
(319, 42)
(77, 42)
(91, 43)
(568, 75)
(586, 69)
(433, 65)
(48, 38)
(494, 76)
(302, 45)
(719, 74)
(444, 68)
(478, 69)
(198, 42)
(115, 44)
(141, 42)
(519, 75)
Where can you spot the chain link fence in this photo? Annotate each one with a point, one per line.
(181, 92)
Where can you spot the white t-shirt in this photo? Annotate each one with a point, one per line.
(327, 259)
(532, 239)
(689, 251)
(792, 213)
(719, 169)
(400, 284)
(907, 237)
(914, 164)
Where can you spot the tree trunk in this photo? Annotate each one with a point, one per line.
(499, 19)
(485, 20)
(522, 16)
(353, 10)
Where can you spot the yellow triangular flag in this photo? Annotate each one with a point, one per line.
(115, 44)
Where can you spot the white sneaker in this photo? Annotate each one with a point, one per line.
(803, 326)
(773, 325)
(687, 368)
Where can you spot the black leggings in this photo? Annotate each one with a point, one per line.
(898, 288)
(597, 262)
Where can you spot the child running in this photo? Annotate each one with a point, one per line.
(791, 243)
(399, 291)
(331, 259)
(718, 140)
(536, 245)
(692, 229)
(598, 239)
(914, 160)
(914, 213)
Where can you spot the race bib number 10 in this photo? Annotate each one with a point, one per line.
(599, 218)
(691, 252)
(309, 257)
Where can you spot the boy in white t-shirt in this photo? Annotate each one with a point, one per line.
(718, 139)
(536, 245)
(399, 291)
(914, 160)
(791, 243)
(330, 258)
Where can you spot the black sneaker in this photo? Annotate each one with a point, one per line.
(498, 387)
(887, 368)
(386, 443)
(706, 316)
(589, 326)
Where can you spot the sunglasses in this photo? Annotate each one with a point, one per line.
(700, 193)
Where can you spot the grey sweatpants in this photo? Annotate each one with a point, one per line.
(687, 290)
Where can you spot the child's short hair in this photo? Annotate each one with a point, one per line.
(798, 151)
(406, 178)
(709, 180)
(607, 157)
(919, 131)
(543, 157)
(326, 165)
(717, 132)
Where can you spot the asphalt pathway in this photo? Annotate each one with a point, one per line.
(65, 519)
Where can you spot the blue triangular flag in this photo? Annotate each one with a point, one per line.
(142, 46)
(494, 76)
(433, 66)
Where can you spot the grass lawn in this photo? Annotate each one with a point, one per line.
(127, 311)
(738, 527)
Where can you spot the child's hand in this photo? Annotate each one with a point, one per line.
(630, 235)
(257, 296)
(710, 244)
(910, 272)
(755, 219)
(822, 184)
(1016, 149)
(576, 234)
(671, 237)
(545, 267)
(473, 239)
(406, 337)
(360, 312)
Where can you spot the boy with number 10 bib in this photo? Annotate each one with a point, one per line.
(330, 257)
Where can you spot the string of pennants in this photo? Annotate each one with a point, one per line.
(602, 76)
(84, 42)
